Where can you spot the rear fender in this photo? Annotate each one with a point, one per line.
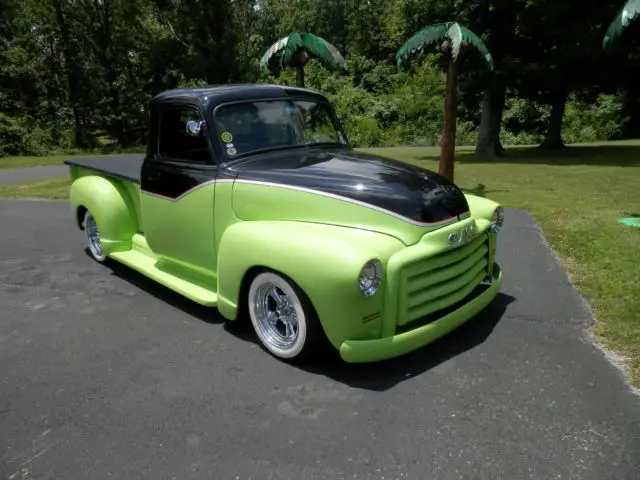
(110, 205)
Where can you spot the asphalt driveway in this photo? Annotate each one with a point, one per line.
(106, 375)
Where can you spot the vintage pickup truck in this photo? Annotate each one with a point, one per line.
(250, 199)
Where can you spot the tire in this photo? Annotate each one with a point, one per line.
(92, 232)
(288, 328)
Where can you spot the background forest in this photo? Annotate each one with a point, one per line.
(77, 74)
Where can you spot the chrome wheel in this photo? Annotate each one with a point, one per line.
(93, 237)
(277, 315)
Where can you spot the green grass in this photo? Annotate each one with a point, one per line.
(577, 196)
(52, 188)
(24, 162)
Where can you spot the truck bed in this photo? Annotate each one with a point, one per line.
(122, 166)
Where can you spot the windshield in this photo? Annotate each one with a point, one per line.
(261, 125)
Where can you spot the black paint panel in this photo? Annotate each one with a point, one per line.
(171, 179)
(213, 95)
(120, 166)
(413, 192)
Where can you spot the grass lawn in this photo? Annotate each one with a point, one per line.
(24, 162)
(576, 195)
(53, 188)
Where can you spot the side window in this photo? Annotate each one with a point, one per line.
(175, 142)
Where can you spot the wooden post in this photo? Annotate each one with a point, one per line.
(300, 76)
(447, 149)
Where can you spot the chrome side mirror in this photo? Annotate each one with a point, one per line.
(194, 128)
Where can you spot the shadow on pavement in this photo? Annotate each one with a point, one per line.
(594, 155)
(383, 375)
(376, 376)
(205, 314)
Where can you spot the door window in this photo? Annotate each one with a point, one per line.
(174, 140)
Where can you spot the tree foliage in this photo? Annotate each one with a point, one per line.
(77, 74)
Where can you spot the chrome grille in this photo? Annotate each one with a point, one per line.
(441, 280)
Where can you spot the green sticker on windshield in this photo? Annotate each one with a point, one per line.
(226, 137)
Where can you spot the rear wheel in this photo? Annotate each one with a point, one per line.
(283, 318)
(93, 237)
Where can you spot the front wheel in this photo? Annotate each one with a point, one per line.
(93, 237)
(283, 317)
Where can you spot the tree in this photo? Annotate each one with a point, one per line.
(629, 12)
(451, 37)
(296, 49)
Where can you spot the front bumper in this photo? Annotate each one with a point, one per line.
(362, 351)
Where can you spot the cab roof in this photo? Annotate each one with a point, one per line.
(218, 94)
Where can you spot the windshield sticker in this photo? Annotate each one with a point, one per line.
(226, 137)
(231, 151)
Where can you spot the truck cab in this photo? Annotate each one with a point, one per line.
(251, 200)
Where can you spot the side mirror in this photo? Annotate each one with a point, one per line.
(194, 128)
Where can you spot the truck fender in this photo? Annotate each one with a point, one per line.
(325, 261)
(111, 207)
(481, 207)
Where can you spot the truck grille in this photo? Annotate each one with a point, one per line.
(436, 282)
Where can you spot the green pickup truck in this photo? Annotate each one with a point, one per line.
(251, 200)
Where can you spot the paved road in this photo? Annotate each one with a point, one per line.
(14, 175)
(105, 375)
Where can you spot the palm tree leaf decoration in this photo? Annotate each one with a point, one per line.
(451, 38)
(296, 49)
(628, 13)
(432, 35)
(451, 32)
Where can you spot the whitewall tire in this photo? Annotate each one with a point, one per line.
(282, 317)
(92, 232)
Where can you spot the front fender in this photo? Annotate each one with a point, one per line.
(110, 205)
(324, 261)
(481, 207)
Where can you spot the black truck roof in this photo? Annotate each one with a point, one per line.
(128, 166)
(217, 94)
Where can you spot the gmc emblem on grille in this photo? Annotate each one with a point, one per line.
(465, 234)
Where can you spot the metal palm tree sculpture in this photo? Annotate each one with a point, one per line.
(296, 49)
(451, 37)
(628, 13)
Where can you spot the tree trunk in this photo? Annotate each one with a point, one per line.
(300, 76)
(488, 142)
(447, 149)
(553, 137)
(73, 76)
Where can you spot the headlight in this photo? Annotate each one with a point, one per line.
(497, 220)
(370, 277)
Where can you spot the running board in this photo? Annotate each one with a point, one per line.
(144, 261)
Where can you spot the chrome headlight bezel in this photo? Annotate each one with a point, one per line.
(497, 219)
(370, 277)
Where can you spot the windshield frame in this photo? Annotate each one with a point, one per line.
(218, 144)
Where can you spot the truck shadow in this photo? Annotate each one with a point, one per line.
(168, 296)
(383, 375)
(377, 376)
(611, 155)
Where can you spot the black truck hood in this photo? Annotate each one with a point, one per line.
(417, 195)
